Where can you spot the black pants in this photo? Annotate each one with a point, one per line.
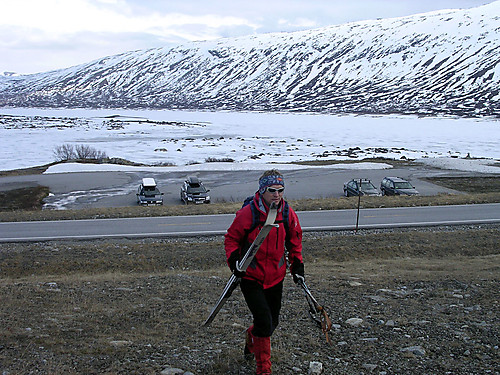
(264, 304)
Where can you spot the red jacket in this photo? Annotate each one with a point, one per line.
(269, 264)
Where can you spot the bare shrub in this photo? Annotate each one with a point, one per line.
(83, 152)
(64, 152)
(86, 152)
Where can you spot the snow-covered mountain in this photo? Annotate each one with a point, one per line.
(444, 62)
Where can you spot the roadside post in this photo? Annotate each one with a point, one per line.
(359, 204)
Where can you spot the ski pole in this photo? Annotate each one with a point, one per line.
(316, 309)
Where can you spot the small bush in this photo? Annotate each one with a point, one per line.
(87, 152)
(64, 152)
(82, 152)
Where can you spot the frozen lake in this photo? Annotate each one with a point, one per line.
(29, 136)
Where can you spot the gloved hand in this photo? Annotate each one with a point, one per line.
(233, 259)
(297, 270)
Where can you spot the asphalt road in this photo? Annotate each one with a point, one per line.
(217, 224)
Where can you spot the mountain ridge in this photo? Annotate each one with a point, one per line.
(438, 63)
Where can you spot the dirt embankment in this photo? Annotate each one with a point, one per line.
(420, 301)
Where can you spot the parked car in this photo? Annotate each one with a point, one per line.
(193, 191)
(352, 188)
(148, 193)
(397, 186)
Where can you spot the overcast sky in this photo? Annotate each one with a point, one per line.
(42, 35)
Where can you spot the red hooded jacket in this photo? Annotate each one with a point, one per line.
(269, 264)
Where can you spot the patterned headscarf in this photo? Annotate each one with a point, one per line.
(266, 181)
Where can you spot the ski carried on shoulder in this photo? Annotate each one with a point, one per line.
(243, 264)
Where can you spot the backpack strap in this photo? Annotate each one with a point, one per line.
(256, 215)
(286, 215)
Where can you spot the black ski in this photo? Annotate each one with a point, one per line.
(243, 264)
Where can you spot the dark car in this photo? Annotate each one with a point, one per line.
(193, 191)
(352, 188)
(397, 186)
(148, 193)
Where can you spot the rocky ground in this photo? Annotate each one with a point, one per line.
(420, 301)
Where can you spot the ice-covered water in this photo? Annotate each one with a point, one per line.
(29, 136)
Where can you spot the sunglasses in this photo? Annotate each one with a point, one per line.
(274, 190)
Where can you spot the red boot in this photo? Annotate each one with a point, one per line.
(249, 344)
(262, 351)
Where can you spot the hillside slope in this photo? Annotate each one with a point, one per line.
(442, 62)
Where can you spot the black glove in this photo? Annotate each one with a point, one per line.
(233, 259)
(297, 270)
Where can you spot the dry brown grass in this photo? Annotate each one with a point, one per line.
(488, 184)
(80, 258)
(231, 207)
(136, 306)
(24, 199)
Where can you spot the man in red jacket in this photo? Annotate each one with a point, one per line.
(262, 283)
